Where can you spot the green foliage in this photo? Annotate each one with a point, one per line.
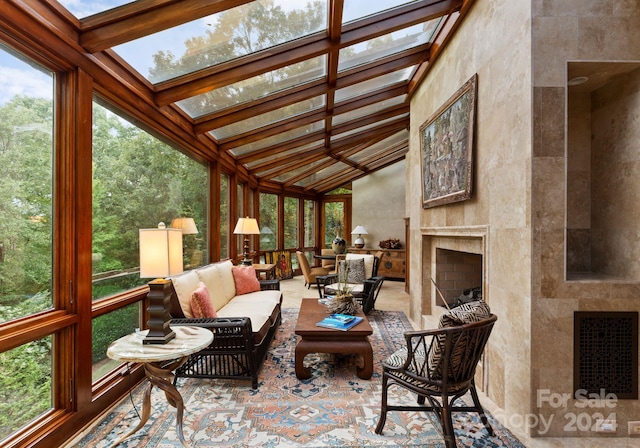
(291, 222)
(25, 384)
(109, 327)
(138, 181)
(26, 127)
(334, 221)
(268, 219)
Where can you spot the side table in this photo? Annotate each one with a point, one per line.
(160, 360)
(269, 269)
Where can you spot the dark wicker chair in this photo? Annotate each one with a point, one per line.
(323, 280)
(367, 299)
(438, 365)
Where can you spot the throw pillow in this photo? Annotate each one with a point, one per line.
(246, 279)
(463, 314)
(201, 305)
(355, 270)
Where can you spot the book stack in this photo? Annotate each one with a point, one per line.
(341, 322)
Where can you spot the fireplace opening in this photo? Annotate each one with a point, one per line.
(458, 276)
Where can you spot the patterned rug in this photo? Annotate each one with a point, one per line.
(334, 408)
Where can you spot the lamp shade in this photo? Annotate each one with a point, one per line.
(247, 226)
(188, 225)
(359, 230)
(160, 252)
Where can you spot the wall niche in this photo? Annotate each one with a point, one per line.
(603, 170)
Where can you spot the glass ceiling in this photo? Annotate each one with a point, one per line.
(284, 86)
(221, 37)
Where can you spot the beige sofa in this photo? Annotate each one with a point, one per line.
(244, 327)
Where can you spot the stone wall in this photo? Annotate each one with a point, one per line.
(563, 32)
(493, 42)
(378, 204)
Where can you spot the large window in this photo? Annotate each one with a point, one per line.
(26, 242)
(291, 207)
(334, 218)
(138, 182)
(107, 328)
(309, 220)
(240, 213)
(268, 221)
(225, 196)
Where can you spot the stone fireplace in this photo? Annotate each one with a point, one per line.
(453, 258)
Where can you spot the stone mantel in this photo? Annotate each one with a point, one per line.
(456, 231)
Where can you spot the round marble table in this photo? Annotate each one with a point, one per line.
(160, 360)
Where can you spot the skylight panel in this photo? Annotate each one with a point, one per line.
(357, 9)
(221, 37)
(383, 145)
(380, 47)
(368, 110)
(323, 174)
(373, 84)
(363, 129)
(265, 119)
(295, 172)
(278, 138)
(86, 8)
(297, 149)
(255, 88)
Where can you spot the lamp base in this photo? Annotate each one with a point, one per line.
(359, 242)
(247, 262)
(159, 308)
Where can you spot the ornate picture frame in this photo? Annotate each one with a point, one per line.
(447, 147)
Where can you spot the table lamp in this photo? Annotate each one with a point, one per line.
(246, 226)
(160, 256)
(188, 225)
(359, 242)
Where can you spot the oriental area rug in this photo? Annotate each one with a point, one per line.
(334, 408)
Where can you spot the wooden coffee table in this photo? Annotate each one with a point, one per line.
(314, 339)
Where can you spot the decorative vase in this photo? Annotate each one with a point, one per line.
(343, 305)
(339, 245)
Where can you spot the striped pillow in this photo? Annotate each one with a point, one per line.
(464, 314)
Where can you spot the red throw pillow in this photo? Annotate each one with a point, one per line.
(246, 280)
(201, 304)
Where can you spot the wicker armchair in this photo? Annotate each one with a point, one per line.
(438, 365)
(358, 289)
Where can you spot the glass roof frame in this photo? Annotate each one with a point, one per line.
(259, 132)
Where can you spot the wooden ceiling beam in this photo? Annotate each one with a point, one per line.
(277, 127)
(298, 50)
(285, 146)
(138, 19)
(373, 118)
(257, 107)
(301, 93)
(397, 19)
(288, 164)
(242, 68)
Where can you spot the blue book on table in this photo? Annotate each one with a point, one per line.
(341, 322)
